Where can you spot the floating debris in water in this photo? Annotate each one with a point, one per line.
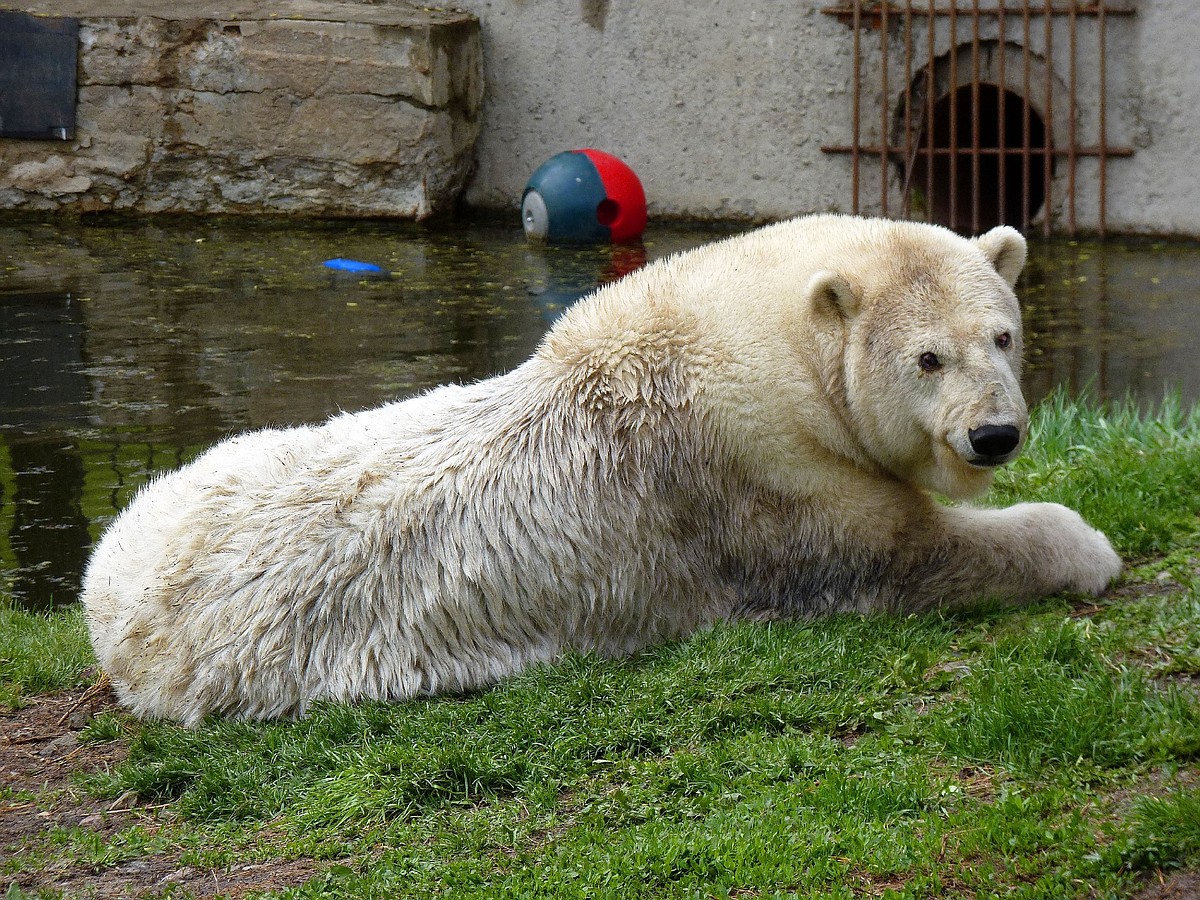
(354, 267)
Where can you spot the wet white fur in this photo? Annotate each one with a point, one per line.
(741, 430)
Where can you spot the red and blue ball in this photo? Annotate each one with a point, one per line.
(584, 196)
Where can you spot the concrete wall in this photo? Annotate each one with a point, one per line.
(719, 105)
(722, 106)
(1158, 190)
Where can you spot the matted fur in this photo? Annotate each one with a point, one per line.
(741, 430)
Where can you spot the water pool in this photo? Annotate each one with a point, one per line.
(127, 347)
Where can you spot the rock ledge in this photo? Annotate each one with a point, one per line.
(305, 107)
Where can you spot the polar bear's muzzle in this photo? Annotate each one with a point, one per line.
(993, 445)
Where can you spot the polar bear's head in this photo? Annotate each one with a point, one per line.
(821, 343)
(931, 342)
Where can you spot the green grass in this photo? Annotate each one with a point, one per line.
(1051, 699)
(1133, 474)
(1033, 753)
(40, 652)
(1166, 831)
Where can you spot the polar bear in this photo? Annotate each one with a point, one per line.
(755, 428)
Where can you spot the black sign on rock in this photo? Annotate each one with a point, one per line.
(37, 76)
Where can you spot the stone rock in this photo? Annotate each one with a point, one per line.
(53, 177)
(302, 107)
(64, 743)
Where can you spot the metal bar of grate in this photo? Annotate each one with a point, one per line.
(953, 223)
(1002, 125)
(906, 199)
(1026, 120)
(897, 153)
(930, 110)
(976, 186)
(845, 11)
(883, 74)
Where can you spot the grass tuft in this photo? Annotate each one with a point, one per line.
(1165, 831)
(41, 652)
(1132, 473)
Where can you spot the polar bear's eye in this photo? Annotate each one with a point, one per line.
(929, 362)
(1003, 340)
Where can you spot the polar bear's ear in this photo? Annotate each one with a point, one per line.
(1005, 249)
(831, 295)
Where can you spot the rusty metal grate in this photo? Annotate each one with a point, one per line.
(979, 115)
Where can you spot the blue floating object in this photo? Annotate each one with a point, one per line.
(354, 266)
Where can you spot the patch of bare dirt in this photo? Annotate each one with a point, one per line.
(161, 876)
(40, 756)
(1126, 591)
(1176, 886)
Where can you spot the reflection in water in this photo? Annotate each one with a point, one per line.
(41, 491)
(49, 533)
(125, 348)
(1114, 319)
(559, 286)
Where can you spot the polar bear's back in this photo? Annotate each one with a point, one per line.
(252, 538)
(375, 556)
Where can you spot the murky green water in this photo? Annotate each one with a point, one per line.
(127, 348)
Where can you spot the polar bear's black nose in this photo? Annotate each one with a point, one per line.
(994, 440)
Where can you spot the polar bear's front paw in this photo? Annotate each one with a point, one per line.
(1087, 558)
(1099, 563)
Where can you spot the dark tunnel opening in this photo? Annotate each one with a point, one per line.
(1001, 180)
